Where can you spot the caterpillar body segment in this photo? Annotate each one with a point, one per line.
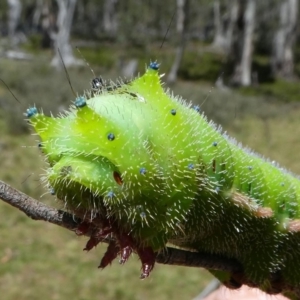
(154, 170)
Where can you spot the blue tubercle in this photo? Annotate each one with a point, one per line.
(191, 166)
(197, 108)
(110, 194)
(110, 136)
(173, 112)
(80, 102)
(154, 66)
(143, 171)
(31, 111)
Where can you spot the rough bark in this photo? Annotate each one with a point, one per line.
(285, 37)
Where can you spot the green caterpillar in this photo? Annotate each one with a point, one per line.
(152, 170)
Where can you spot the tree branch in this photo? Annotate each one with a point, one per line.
(170, 256)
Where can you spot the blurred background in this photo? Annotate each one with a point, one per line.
(237, 59)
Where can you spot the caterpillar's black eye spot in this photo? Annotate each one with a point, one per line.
(80, 102)
(173, 112)
(215, 144)
(97, 83)
(191, 166)
(197, 108)
(250, 168)
(40, 145)
(110, 194)
(118, 178)
(143, 171)
(30, 112)
(110, 136)
(154, 66)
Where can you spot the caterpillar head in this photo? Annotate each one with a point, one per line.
(129, 153)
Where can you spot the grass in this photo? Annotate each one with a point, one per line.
(38, 259)
(280, 89)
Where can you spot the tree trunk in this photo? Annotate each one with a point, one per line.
(283, 58)
(62, 37)
(43, 21)
(219, 37)
(181, 25)
(233, 15)
(37, 14)
(180, 16)
(242, 73)
(248, 43)
(14, 14)
(224, 25)
(110, 23)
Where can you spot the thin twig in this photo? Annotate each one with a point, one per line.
(39, 211)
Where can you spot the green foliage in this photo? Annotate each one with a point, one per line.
(201, 66)
(33, 44)
(3, 10)
(297, 60)
(285, 91)
(103, 56)
(261, 66)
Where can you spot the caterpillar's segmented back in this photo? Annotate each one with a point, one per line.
(153, 170)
